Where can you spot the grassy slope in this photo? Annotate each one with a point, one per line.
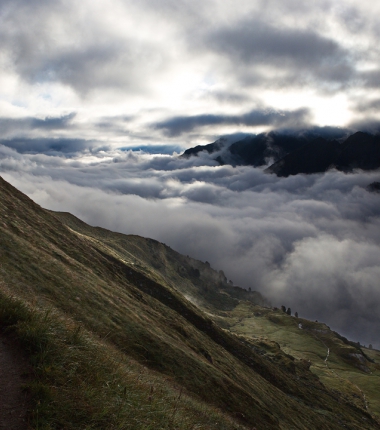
(346, 369)
(124, 295)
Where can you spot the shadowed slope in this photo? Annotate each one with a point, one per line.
(95, 280)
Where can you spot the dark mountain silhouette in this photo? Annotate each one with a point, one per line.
(210, 148)
(374, 187)
(359, 151)
(257, 150)
(252, 150)
(314, 157)
(306, 152)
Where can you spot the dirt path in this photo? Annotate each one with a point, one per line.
(339, 377)
(14, 401)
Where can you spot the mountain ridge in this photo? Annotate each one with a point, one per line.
(304, 152)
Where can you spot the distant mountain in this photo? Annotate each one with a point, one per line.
(374, 187)
(123, 332)
(316, 156)
(358, 151)
(305, 152)
(210, 148)
(252, 150)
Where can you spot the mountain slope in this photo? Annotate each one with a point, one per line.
(306, 152)
(314, 157)
(250, 150)
(358, 151)
(256, 151)
(60, 278)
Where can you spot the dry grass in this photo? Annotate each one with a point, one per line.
(115, 344)
(81, 383)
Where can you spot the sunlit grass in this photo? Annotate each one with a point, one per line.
(311, 343)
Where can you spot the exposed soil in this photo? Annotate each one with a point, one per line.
(14, 401)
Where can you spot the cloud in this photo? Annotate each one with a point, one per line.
(156, 149)
(308, 242)
(370, 124)
(76, 46)
(339, 277)
(368, 106)
(294, 52)
(20, 125)
(56, 146)
(371, 79)
(184, 60)
(50, 123)
(255, 41)
(178, 125)
(229, 97)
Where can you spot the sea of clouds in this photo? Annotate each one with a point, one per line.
(311, 243)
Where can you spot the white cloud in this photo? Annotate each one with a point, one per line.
(310, 242)
(155, 61)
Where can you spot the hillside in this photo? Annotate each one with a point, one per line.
(124, 332)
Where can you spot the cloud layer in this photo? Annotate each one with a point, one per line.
(308, 242)
(128, 73)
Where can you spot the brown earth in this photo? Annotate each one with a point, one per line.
(14, 400)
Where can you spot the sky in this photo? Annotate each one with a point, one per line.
(98, 98)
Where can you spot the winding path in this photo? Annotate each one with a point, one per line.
(338, 376)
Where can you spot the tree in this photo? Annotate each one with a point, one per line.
(289, 311)
(296, 314)
(370, 346)
(283, 308)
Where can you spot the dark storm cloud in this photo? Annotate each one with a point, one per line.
(298, 52)
(251, 41)
(17, 125)
(97, 66)
(113, 122)
(368, 106)
(54, 146)
(181, 124)
(371, 79)
(370, 124)
(54, 43)
(52, 123)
